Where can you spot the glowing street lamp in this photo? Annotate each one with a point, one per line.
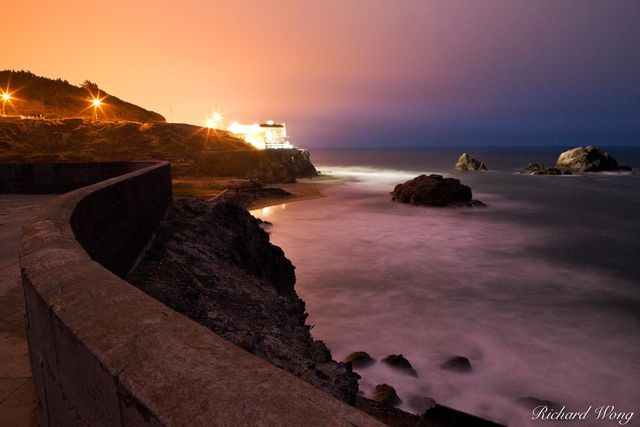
(96, 103)
(214, 121)
(6, 97)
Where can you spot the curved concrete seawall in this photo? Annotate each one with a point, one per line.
(104, 353)
(46, 178)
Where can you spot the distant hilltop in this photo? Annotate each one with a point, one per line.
(41, 97)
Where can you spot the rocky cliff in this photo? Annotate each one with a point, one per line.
(212, 262)
(264, 165)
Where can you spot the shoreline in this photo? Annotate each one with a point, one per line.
(210, 189)
(304, 189)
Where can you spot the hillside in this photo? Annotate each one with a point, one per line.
(193, 151)
(43, 97)
(79, 140)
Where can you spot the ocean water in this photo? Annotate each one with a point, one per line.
(540, 290)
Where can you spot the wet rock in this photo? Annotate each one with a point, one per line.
(540, 169)
(268, 166)
(458, 364)
(384, 393)
(587, 159)
(421, 404)
(244, 192)
(360, 359)
(399, 362)
(433, 190)
(466, 163)
(213, 263)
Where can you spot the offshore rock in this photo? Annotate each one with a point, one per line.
(458, 364)
(399, 362)
(540, 169)
(359, 359)
(386, 394)
(588, 159)
(466, 163)
(434, 190)
(212, 262)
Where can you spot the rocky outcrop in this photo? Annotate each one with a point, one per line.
(267, 166)
(457, 364)
(466, 163)
(245, 192)
(434, 190)
(587, 159)
(212, 262)
(360, 359)
(386, 394)
(540, 169)
(399, 362)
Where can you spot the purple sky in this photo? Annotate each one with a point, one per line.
(355, 72)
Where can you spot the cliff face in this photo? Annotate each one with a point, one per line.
(212, 262)
(264, 165)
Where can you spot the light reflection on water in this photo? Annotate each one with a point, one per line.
(533, 314)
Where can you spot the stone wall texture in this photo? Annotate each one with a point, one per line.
(104, 353)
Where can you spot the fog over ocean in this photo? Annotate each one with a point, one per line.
(540, 290)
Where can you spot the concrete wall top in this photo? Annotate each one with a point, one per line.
(105, 353)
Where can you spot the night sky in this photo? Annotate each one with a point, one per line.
(354, 72)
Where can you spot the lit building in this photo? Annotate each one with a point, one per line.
(267, 135)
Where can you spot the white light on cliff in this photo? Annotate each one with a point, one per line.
(214, 121)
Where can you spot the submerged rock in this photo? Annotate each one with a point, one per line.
(588, 159)
(458, 364)
(360, 359)
(540, 169)
(434, 190)
(421, 404)
(384, 393)
(466, 163)
(399, 362)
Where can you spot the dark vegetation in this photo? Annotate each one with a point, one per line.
(79, 140)
(48, 98)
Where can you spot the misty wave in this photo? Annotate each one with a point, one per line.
(502, 286)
